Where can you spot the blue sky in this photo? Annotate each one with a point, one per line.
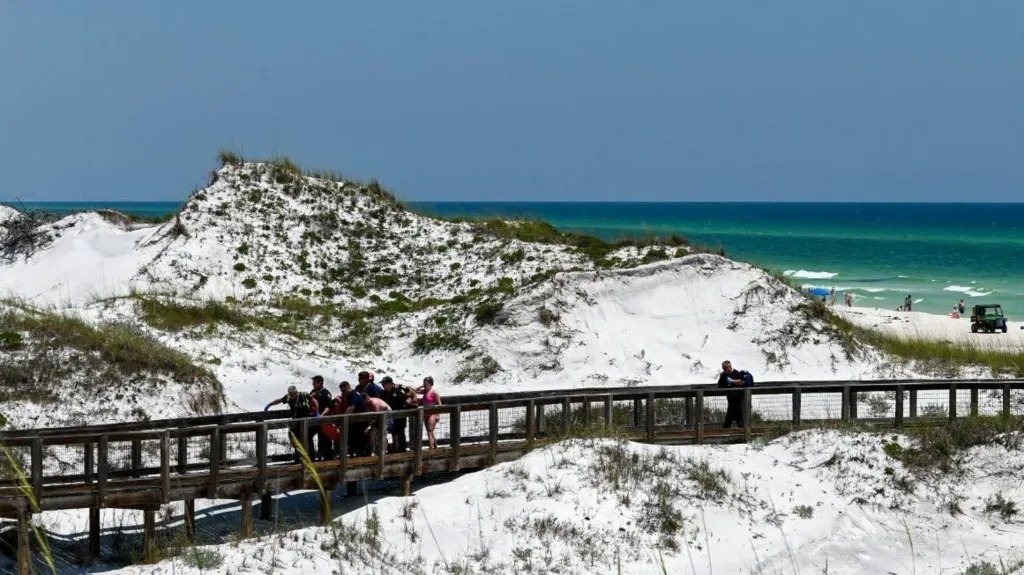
(529, 100)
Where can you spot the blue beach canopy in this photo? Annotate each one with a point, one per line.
(818, 291)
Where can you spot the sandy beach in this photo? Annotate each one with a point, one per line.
(933, 326)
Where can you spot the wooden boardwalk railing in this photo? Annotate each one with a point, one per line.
(143, 465)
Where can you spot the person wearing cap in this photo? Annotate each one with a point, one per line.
(324, 445)
(397, 397)
(366, 384)
(301, 405)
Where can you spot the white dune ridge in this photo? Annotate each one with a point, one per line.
(673, 321)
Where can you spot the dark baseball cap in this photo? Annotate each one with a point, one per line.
(387, 379)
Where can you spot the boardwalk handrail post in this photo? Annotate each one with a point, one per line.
(182, 452)
(747, 399)
(531, 422)
(649, 418)
(1006, 399)
(974, 402)
(90, 462)
(699, 409)
(586, 411)
(215, 456)
(609, 413)
(24, 544)
(165, 467)
(845, 408)
(540, 424)
(455, 437)
(102, 452)
(343, 441)
(382, 442)
(37, 470)
(913, 404)
(952, 401)
(417, 440)
(567, 422)
(688, 413)
(262, 433)
(899, 405)
(853, 403)
(797, 401)
(136, 458)
(637, 406)
(492, 431)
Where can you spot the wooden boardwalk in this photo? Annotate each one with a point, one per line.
(144, 465)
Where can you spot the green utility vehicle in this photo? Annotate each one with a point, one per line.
(987, 317)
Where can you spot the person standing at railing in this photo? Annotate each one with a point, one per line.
(430, 399)
(396, 397)
(353, 402)
(324, 445)
(732, 379)
(301, 405)
(376, 405)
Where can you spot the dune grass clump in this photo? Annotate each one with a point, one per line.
(938, 356)
(126, 349)
(939, 447)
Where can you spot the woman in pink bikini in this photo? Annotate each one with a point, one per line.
(430, 399)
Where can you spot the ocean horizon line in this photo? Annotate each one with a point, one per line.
(14, 203)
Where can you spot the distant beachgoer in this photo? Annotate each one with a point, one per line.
(908, 303)
(961, 307)
(832, 293)
(848, 297)
(956, 312)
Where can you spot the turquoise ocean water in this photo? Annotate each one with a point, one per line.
(937, 253)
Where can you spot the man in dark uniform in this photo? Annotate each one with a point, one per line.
(353, 402)
(396, 398)
(732, 379)
(301, 405)
(324, 445)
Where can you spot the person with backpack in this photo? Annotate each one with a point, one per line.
(397, 397)
(324, 445)
(301, 405)
(733, 379)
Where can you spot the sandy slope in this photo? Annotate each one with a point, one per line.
(807, 503)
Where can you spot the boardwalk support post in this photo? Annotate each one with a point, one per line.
(24, 548)
(149, 534)
(913, 404)
(190, 520)
(94, 533)
(1006, 399)
(609, 414)
(974, 402)
(246, 504)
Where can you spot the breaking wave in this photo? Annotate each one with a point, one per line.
(810, 275)
(967, 291)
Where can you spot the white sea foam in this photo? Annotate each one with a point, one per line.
(810, 275)
(967, 291)
(875, 290)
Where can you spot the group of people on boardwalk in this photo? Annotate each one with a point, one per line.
(366, 397)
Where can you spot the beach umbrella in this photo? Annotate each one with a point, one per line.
(818, 291)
